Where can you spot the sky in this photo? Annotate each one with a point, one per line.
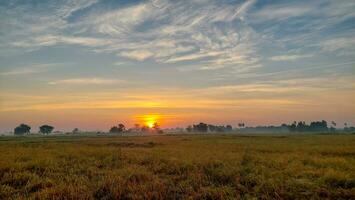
(92, 64)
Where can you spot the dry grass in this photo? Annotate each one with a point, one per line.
(178, 167)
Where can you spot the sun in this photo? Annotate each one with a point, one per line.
(150, 120)
(150, 124)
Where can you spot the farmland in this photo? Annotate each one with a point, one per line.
(178, 167)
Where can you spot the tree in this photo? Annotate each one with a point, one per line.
(121, 128)
(156, 128)
(118, 129)
(22, 129)
(145, 129)
(189, 128)
(114, 129)
(201, 127)
(229, 128)
(212, 128)
(75, 131)
(46, 129)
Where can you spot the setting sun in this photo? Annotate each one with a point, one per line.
(150, 119)
(150, 124)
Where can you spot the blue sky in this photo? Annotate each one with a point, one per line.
(220, 61)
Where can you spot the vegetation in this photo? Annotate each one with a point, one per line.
(22, 129)
(203, 127)
(178, 167)
(118, 129)
(46, 129)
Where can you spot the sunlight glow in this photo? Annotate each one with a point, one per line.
(150, 119)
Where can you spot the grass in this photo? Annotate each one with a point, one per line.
(178, 167)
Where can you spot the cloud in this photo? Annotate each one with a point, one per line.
(341, 43)
(243, 9)
(31, 69)
(164, 31)
(50, 40)
(87, 81)
(210, 34)
(139, 55)
(193, 57)
(289, 57)
(282, 12)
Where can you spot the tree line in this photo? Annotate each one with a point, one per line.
(203, 127)
(301, 126)
(23, 129)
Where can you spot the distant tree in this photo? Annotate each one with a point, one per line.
(156, 128)
(229, 128)
(318, 126)
(22, 129)
(121, 127)
(241, 125)
(117, 129)
(212, 128)
(189, 128)
(302, 126)
(145, 129)
(75, 131)
(334, 123)
(201, 127)
(293, 126)
(136, 127)
(46, 129)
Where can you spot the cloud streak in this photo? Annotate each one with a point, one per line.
(289, 57)
(31, 69)
(86, 81)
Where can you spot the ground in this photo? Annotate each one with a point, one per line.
(178, 167)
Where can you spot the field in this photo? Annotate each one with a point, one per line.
(178, 167)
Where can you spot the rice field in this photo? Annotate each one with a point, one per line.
(178, 167)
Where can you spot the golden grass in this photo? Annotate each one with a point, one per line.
(178, 167)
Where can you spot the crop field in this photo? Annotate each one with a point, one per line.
(178, 167)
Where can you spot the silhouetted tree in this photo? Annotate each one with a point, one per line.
(241, 125)
(121, 128)
(334, 123)
(22, 129)
(46, 129)
(156, 128)
(319, 126)
(189, 128)
(229, 128)
(201, 127)
(145, 129)
(212, 128)
(75, 131)
(114, 129)
(117, 129)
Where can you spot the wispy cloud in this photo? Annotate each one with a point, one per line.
(137, 54)
(289, 57)
(339, 44)
(177, 32)
(31, 69)
(87, 81)
(282, 12)
(50, 40)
